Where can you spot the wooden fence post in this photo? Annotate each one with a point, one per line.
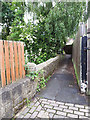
(12, 61)
(2, 67)
(7, 62)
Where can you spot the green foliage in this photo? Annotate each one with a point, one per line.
(47, 38)
(18, 22)
(7, 16)
(64, 19)
(89, 8)
(46, 35)
(77, 77)
(42, 83)
(28, 102)
(39, 76)
(33, 75)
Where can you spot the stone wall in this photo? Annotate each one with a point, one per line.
(13, 96)
(50, 65)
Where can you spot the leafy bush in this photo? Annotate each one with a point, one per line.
(45, 38)
(39, 76)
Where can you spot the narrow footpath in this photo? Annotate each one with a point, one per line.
(63, 85)
(60, 99)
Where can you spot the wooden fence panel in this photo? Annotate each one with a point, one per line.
(16, 60)
(20, 60)
(23, 61)
(11, 61)
(7, 62)
(2, 67)
(76, 55)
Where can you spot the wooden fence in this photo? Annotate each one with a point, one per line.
(11, 61)
(76, 55)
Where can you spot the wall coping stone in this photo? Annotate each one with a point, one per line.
(44, 64)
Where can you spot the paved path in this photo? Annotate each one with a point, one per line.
(60, 99)
(45, 108)
(62, 85)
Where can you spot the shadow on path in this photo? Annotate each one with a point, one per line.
(63, 86)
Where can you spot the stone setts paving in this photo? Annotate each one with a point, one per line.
(44, 108)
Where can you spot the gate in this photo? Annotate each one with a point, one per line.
(84, 59)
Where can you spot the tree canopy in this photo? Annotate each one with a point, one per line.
(7, 15)
(46, 37)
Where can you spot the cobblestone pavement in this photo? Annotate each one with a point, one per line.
(44, 108)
